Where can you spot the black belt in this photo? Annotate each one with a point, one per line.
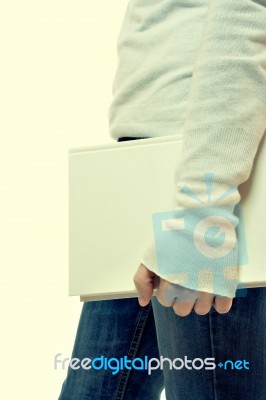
(123, 138)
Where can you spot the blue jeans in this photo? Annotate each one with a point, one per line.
(118, 328)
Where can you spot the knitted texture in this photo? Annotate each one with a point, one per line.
(198, 69)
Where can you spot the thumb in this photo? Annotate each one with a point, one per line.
(144, 282)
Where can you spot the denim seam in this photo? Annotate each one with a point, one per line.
(213, 354)
(144, 313)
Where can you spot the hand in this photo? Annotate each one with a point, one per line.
(146, 281)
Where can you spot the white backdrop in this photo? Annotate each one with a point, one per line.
(58, 60)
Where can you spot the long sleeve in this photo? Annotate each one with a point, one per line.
(225, 121)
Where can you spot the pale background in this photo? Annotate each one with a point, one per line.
(58, 60)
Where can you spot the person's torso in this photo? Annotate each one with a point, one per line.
(157, 48)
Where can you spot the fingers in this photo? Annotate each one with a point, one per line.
(222, 304)
(144, 282)
(183, 308)
(166, 293)
(173, 295)
(185, 302)
(204, 303)
(182, 299)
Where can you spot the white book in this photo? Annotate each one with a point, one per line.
(114, 189)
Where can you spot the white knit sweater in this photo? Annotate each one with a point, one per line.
(195, 68)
